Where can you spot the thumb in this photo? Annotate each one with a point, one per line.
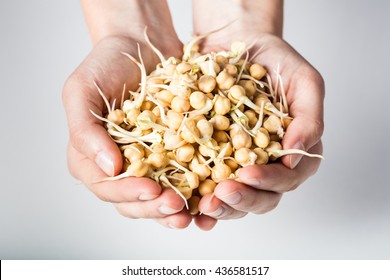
(87, 134)
(307, 111)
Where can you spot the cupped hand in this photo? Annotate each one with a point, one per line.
(92, 154)
(259, 188)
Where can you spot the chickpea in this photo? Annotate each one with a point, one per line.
(205, 128)
(206, 187)
(117, 116)
(224, 80)
(222, 105)
(235, 93)
(262, 138)
(249, 86)
(185, 153)
(206, 83)
(198, 100)
(183, 67)
(231, 69)
(273, 124)
(180, 105)
(134, 152)
(262, 156)
(174, 119)
(138, 168)
(220, 172)
(257, 71)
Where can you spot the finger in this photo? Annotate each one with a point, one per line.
(277, 177)
(212, 206)
(205, 222)
(305, 97)
(304, 89)
(176, 221)
(245, 198)
(87, 133)
(123, 190)
(168, 203)
(80, 96)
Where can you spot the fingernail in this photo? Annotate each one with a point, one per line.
(105, 163)
(167, 210)
(296, 158)
(253, 182)
(217, 212)
(232, 198)
(146, 196)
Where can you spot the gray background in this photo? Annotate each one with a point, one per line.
(341, 212)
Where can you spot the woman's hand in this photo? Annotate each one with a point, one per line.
(116, 27)
(258, 189)
(92, 155)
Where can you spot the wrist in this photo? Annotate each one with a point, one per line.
(247, 18)
(128, 19)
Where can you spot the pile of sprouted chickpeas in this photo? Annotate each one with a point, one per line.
(196, 121)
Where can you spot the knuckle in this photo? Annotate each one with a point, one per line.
(72, 82)
(121, 209)
(76, 137)
(103, 196)
(269, 205)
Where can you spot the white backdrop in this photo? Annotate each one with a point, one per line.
(343, 212)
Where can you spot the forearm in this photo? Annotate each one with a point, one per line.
(259, 16)
(128, 18)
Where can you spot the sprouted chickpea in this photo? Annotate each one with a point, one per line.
(252, 117)
(240, 139)
(220, 122)
(257, 71)
(262, 138)
(183, 67)
(232, 163)
(134, 152)
(206, 187)
(231, 69)
(220, 136)
(180, 105)
(117, 116)
(205, 128)
(245, 156)
(209, 67)
(165, 97)
(207, 83)
(225, 80)
(222, 105)
(201, 170)
(220, 172)
(175, 119)
(158, 160)
(249, 86)
(226, 147)
(236, 93)
(132, 115)
(262, 156)
(199, 120)
(273, 124)
(185, 153)
(198, 100)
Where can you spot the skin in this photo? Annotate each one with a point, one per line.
(259, 189)
(92, 155)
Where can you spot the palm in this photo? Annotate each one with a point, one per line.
(261, 186)
(111, 70)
